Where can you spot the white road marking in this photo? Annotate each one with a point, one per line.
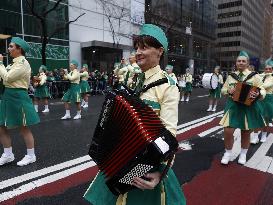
(185, 146)
(65, 169)
(57, 103)
(199, 120)
(209, 131)
(259, 160)
(194, 126)
(202, 96)
(46, 180)
(41, 172)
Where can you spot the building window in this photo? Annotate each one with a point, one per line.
(229, 34)
(230, 4)
(229, 14)
(229, 24)
(229, 54)
(229, 44)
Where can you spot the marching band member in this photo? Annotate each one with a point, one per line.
(120, 71)
(85, 88)
(215, 94)
(73, 94)
(267, 103)
(150, 46)
(169, 70)
(16, 108)
(240, 116)
(41, 90)
(186, 91)
(133, 71)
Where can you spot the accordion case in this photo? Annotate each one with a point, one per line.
(129, 141)
(242, 93)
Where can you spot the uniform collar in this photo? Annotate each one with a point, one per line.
(150, 72)
(134, 64)
(18, 59)
(245, 72)
(266, 74)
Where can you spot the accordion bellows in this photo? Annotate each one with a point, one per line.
(242, 93)
(129, 141)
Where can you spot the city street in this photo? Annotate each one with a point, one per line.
(64, 170)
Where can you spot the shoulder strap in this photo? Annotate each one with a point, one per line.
(264, 78)
(154, 84)
(250, 76)
(235, 76)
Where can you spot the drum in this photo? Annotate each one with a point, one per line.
(182, 83)
(210, 81)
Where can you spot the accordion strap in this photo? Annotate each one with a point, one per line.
(166, 169)
(236, 77)
(154, 84)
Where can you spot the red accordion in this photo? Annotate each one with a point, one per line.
(129, 141)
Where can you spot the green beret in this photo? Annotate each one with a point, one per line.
(74, 62)
(157, 33)
(20, 42)
(116, 64)
(85, 66)
(269, 62)
(169, 67)
(243, 53)
(43, 67)
(133, 54)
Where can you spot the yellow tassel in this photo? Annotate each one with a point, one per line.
(122, 199)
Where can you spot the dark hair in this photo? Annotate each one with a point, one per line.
(147, 41)
(22, 50)
(144, 40)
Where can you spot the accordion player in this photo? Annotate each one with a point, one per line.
(129, 141)
(243, 90)
(36, 80)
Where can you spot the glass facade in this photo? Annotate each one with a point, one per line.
(12, 24)
(174, 16)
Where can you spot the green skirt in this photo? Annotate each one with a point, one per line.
(16, 109)
(99, 194)
(237, 115)
(267, 107)
(215, 93)
(73, 94)
(41, 92)
(188, 88)
(85, 88)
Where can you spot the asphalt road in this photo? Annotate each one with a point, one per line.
(63, 172)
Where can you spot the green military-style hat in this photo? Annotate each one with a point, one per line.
(269, 62)
(43, 67)
(156, 32)
(133, 53)
(20, 42)
(116, 64)
(169, 67)
(74, 62)
(243, 53)
(85, 65)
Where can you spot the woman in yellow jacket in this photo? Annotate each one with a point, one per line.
(16, 107)
(73, 94)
